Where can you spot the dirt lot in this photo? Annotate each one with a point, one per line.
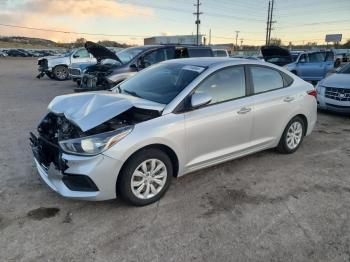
(265, 207)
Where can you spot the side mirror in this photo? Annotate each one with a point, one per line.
(200, 99)
(75, 56)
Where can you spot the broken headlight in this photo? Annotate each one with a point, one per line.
(96, 144)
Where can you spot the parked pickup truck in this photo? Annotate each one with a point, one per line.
(56, 67)
(312, 66)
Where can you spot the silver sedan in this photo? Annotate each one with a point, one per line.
(171, 119)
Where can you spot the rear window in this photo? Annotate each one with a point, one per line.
(200, 52)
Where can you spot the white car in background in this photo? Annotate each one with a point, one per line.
(56, 67)
(334, 91)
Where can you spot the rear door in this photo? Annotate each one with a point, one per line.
(274, 100)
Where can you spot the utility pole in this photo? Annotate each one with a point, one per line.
(241, 43)
(197, 13)
(237, 32)
(268, 24)
(210, 36)
(271, 19)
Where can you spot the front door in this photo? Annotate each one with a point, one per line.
(222, 128)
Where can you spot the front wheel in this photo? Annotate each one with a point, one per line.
(146, 177)
(60, 73)
(292, 136)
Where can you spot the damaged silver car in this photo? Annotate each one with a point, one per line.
(169, 120)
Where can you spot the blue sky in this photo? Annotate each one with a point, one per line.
(297, 21)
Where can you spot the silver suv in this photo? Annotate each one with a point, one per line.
(169, 120)
(56, 67)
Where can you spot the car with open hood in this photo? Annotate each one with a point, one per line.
(276, 55)
(56, 67)
(106, 59)
(133, 60)
(170, 119)
(313, 65)
(334, 91)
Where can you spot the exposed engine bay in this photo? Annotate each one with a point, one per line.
(56, 127)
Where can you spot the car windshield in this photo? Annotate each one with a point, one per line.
(128, 54)
(109, 61)
(345, 69)
(160, 83)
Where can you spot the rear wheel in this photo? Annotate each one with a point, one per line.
(60, 72)
(146, 177)
(292, 136)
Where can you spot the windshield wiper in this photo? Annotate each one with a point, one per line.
(131, 93)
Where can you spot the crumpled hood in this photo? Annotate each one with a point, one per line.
(337, 80)
(88, 110)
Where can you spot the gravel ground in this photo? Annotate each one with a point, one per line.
(264, 207)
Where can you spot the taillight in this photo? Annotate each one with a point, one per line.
(312, 92)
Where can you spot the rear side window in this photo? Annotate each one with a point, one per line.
(200, 52)
(266, 79)
(153, 57)
(224, 85)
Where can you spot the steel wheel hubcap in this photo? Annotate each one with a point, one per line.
(61, 73)
(148, 178)
(294, 135)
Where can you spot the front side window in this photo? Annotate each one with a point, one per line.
(224, 85)
(316, 58)
(82, 53)
(161, 83)
(265, 79)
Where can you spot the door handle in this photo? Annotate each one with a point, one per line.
(289, 99)
(244, 110)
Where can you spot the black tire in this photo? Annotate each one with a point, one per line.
(124, 181)
(49, 75)
(295, 72)
(283, 146)
(60, 73)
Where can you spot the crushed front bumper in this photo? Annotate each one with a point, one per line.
(82, 177)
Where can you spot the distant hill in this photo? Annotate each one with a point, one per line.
(30, 42)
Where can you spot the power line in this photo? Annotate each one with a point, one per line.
(70, 32)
